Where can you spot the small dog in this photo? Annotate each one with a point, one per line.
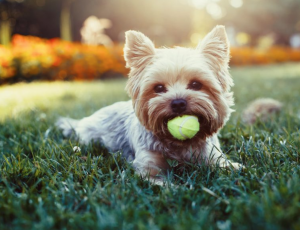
(163, 84)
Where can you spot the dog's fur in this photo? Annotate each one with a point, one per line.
(261, 109)
(138, 127)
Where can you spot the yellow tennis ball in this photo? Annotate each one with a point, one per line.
(184, 127)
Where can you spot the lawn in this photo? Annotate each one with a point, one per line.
(45, 185)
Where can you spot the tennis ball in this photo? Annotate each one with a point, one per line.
(184, 127)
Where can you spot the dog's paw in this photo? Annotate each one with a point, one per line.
(160, 181)
(232, 165)
(237, 166)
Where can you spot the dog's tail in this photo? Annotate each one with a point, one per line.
(261, 109)
(67, 125)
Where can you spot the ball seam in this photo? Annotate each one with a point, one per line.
(182, 123)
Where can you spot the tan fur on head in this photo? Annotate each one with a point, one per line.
(176, 69)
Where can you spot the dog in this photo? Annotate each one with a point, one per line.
(165, 83)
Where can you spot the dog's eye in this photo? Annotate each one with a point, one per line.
(195, 85)
(160, 89)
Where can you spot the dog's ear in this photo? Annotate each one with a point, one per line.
(215, 48)
(215, 45)
(138, 49)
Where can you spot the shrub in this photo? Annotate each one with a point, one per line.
(275, 54)
(31, 58)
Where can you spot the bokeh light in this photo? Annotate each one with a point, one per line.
(34, 33)
(214, 10)
(195, 38)
(200, 4)
(236, 3)
(242, 38)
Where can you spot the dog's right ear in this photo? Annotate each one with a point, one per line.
(215, 47)
(138, 49)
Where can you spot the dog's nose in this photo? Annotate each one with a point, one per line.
(178, 105)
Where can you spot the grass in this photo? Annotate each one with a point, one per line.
(44, 185)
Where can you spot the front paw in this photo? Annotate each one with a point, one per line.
(233, 165)
(237, 166)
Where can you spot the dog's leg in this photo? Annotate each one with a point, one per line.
(151, 163)
(218, 158)
(215, 155)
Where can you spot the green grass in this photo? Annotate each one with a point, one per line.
(44, 185)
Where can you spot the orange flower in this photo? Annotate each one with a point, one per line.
(55, 59)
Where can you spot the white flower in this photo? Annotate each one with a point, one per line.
(76, 149)
(282, 142)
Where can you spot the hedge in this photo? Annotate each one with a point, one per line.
(32, 58)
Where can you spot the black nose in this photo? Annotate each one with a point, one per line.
(178, 105)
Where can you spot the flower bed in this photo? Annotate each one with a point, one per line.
(32, 58)
(253, 56)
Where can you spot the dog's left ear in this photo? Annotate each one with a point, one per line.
(138, 49)
(215, 48)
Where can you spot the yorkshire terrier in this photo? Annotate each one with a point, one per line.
(163, 84)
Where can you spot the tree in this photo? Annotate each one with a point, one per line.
(22, 15)
(9, 11)
(65, 20)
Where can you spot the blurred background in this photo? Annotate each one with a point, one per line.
(83, 39)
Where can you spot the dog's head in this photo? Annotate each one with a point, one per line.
(164, 83)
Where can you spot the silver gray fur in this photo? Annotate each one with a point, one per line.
(118, 128)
